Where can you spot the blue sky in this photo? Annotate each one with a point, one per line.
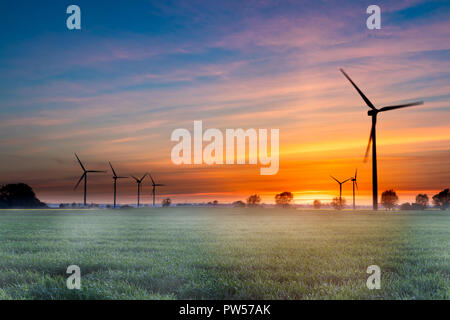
(139, 69)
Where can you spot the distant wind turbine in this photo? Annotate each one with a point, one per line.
(139, 181)
(115, 177)
(84, 176)
(340, 189)
(154, 188)
(372, 138)
(355, 184)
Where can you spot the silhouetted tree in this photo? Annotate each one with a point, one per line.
(389, 199)
(253, 200)
(19, 195)
(442, 199)
(338, 204)
(317, 204)
(239, 203)
(284, 199)
(422, 201)
(166, 202)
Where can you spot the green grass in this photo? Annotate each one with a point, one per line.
(218, 253)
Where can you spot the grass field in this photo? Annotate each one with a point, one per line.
(224, 253)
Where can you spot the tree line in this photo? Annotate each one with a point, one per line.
(21, 195)
(441, 200)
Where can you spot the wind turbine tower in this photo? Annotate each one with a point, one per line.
(340, 189)
(84, 176)
(355, 184)
(373, 112)
(139, 181)
(115, 177)
(154, 188)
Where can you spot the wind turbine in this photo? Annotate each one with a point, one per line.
(139, 181)
(340, 189)
(354, 184)
(372, 138)
(115, 177)
(154, 188)
(84, 176)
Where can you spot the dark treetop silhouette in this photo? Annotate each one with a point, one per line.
(442, 199)
(372, 138)
(84, 176)
(19, 195)
(284, 199)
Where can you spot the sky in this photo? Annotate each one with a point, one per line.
(137, 70)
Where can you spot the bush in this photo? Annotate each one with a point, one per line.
(239, 204)
(317, 204)
(406, 206)
(166, 202)
(411, 206)
(338, 204)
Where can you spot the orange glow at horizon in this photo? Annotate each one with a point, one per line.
(125, 95)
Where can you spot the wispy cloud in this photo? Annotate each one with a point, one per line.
(262, 64)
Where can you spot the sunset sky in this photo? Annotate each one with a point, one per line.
(137, 70)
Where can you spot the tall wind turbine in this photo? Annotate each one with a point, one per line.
(340, 189)
(154, 188)
(115, 177)
(372, 138)
(84, 176)
(139, 181)
(355, 184)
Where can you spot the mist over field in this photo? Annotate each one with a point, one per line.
(224, 253)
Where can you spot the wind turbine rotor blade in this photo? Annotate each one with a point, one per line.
(79, 181)
(153, 181)
(103, 171)
(159, 185)
(356, 185)
(356, 173)
(137, 180)
(370, 104)
(417, 103)
(114, 172)
(366, 155)
(335, 179)
(144, 176)
(346, 180)
(79, 161)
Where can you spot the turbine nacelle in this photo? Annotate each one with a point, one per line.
(372, 112)
(139, 181)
